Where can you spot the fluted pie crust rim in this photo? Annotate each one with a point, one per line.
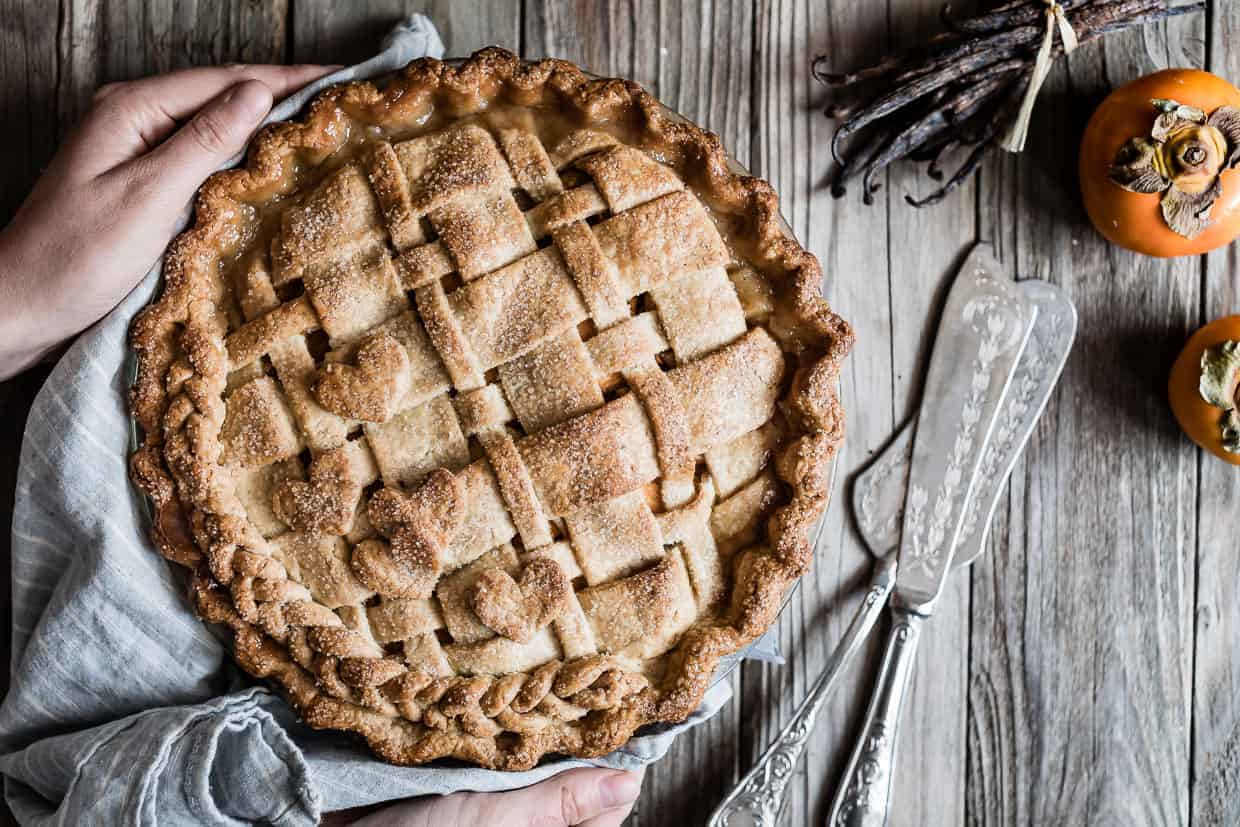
(177, 401)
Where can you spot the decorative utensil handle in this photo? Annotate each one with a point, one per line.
(756, 800)
(864, 794)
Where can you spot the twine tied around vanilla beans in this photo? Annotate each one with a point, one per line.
(960, 88)
(1014, 138)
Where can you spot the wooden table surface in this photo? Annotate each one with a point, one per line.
(1081, 671)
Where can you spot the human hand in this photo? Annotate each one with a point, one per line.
(107, 205)
(588, 797)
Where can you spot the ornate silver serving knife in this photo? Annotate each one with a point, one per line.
(879, 491)
(985, 327)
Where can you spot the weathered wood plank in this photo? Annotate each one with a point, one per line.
(28, 60)
(117, 40)
(609, 37)
(927, 248)
(670, 49)
(1083, 632)
(1080, 655)
(883, 263)
(1215, 794)
(325, 31)
(791, 138)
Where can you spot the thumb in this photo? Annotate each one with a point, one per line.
(571, 798)
(216, 133)
(594, 797)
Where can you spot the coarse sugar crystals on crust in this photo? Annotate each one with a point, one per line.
(489, 408)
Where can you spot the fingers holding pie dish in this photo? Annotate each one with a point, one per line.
(142, 113)
(577, 798)
(120, 181)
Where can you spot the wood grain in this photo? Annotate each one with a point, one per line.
(1214, 796)
(791, 138)
(931, 759)
(1080, 653)
(28, 58)
(882, 263)
(54, 55)
(326, 31)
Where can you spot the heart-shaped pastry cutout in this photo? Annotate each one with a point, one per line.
(326, 503)
(518, 609)
(399, 574)
(371, 389)
(419, 526)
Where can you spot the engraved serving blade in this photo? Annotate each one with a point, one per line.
(984, 329)
(879, 491)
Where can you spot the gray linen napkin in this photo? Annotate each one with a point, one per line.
(124, 707)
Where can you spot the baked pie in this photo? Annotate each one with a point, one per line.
(489, 408)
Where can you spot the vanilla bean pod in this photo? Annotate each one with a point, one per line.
(957, 88)
(966, 170)
(939, 122)
(903, 96)
(930, 153)
(933, 171)
(896, 146)
(1016, 13)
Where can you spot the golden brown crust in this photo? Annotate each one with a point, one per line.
(333, 674)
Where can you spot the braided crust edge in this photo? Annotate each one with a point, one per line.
(406, 716)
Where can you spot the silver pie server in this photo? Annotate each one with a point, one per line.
(985, 327)
(879, 491)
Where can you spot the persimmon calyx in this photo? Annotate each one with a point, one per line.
(1183, 157)
(1220, 387)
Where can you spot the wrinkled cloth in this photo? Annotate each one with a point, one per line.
(124, 708)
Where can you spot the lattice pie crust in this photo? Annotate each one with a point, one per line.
(488, 410)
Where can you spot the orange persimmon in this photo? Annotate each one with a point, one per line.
(1204, 422)
(1158, 160)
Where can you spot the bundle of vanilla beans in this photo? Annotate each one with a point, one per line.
(960, 90)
